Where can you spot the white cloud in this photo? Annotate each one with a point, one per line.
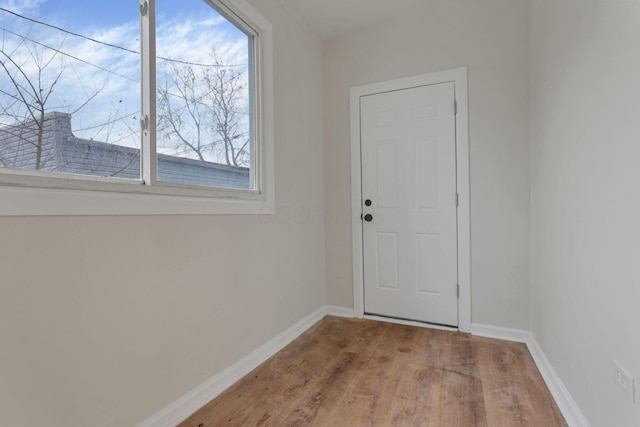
(21, 6)
(110, 72)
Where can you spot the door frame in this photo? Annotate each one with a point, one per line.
(459, 77)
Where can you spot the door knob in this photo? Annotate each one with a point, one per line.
(368, 217)
(367, 202)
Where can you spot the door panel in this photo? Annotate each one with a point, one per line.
(429, 263)
(387, 252)
(386, 182)
(427, 170)
(409, 173)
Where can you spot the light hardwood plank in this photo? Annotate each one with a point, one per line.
(350, 372)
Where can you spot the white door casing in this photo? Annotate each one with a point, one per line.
(457, 78)
(408, 160)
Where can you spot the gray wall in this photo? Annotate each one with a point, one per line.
(585, 198)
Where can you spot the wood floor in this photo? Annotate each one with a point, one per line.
(350, 372)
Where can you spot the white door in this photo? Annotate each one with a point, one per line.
(408, 149)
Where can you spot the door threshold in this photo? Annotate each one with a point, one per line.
(407, 322)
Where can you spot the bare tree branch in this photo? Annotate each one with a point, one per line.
(203, 112)
(33, 72)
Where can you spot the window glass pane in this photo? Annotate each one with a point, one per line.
(204, 126)
(70, 87)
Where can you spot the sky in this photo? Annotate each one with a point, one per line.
(76, 15)
(107, 76)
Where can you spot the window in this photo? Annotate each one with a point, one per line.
(204, 77)
(94, 98)
(69, 96)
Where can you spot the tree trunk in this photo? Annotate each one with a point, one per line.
(40, 124)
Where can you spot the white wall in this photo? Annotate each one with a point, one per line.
(585, 189)
(105, 320)
(489, 37)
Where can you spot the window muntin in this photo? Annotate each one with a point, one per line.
(154, 158)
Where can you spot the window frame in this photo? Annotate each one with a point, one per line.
(24, 192)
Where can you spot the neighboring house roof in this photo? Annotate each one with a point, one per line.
(63, 152)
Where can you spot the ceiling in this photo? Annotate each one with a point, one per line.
(328, 19)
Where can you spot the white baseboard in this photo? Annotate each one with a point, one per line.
(188, 404)
(334, 310)
(500, 333)
(569, 408)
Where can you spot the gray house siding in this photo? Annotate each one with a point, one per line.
(63, 152)
(18, 143)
